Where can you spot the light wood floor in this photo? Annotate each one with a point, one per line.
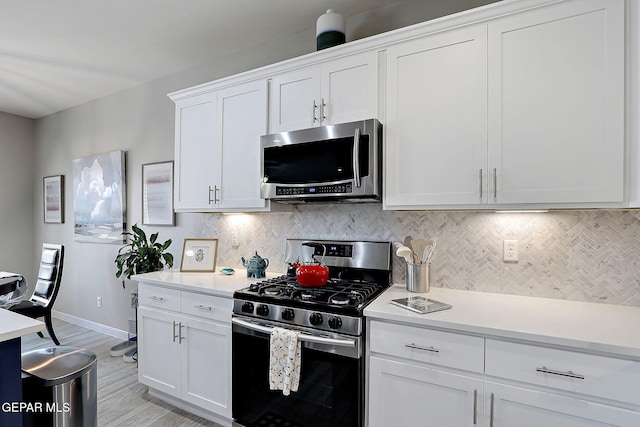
(122, 401)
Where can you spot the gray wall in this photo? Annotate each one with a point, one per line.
(588, 256)
(19, 183)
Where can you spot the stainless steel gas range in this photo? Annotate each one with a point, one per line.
(332, 331)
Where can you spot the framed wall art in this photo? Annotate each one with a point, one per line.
(99, 203)
(53, 199)
(157, 194)
(199, 255)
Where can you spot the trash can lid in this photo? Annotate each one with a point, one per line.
(57, 365)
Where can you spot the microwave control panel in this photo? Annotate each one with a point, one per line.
(319, 189)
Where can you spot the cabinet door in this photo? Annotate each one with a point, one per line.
(436, 139)
(403, 394)
(294, 100)
(242, 118)
(159, 351)
(556, 103)
(349, 89)
(206, 365)
(197, 153)
(507, 406)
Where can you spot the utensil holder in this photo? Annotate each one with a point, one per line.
(418, 277)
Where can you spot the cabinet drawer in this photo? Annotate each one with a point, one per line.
(207, 306)
(156, 296)
(426, 345)
(600, 376)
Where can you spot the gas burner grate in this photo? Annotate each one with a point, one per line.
(338, 292)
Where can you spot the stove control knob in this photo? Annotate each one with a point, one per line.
(262, 310)
(335, 322)
(247, 307)
(287, 314)
(315, 319)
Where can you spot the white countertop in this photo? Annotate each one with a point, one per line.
(14, 325)
(592, 327)
(215, 283)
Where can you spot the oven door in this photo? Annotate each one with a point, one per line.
(331, 390)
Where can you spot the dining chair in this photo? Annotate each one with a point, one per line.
(46, 290)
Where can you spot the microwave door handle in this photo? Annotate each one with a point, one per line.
(356, 157)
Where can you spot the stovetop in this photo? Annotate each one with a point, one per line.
(359, 271)
(337, 296)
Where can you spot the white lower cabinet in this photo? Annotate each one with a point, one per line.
(407, 394)
(158, 355)
(507, 406)
(424, 377)
(183, 353)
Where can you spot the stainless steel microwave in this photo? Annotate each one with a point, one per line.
(334, 163)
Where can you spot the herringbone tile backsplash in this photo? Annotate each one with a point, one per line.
(575, 255)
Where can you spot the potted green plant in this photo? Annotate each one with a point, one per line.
(141, 255)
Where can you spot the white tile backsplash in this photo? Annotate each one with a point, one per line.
(576, 255)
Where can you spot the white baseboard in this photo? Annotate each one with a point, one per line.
(98, 327)
(179, 403)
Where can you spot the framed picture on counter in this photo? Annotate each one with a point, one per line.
(157, 194)
(53, 199)
(199, 255)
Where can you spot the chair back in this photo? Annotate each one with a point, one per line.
(49, 274)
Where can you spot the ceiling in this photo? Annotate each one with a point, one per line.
(62, 53)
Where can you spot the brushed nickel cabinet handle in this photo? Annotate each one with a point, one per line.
(491, 410)
(203, 307)
(174, 331)
(419, 347)
(323, 110)
(495, 183)
(216, 191)
(210, 193)
(155, 298)
(475, 406)
(569, 374)
(180, 337)
(480, 176)
(313, 111)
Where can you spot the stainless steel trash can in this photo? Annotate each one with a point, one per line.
(61, 384)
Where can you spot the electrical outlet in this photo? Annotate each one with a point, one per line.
(510, 252)
(99, 302)
(235, 239)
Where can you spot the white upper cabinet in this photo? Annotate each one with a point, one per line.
(526, 110)
(436, 130)
(336, 91)
(197, 169)
(556, 104)
(217, 149)
(242, 119)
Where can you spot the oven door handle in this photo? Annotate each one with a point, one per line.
(301, 337)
